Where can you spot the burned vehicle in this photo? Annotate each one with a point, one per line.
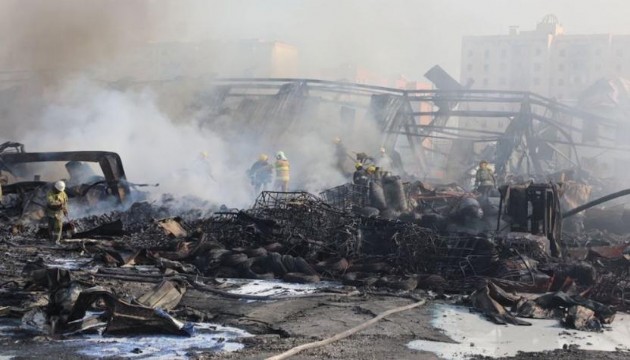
(28, 176)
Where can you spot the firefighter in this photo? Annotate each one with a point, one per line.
(484, 179)
(360, 176)
(56, 209)
(261, 173)
(365, 159)
(372, 172)
(384, 161)
(341, 156)
(282, 172)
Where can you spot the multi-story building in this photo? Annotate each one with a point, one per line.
(545, 60)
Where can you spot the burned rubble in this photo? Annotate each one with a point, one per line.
(533, 248)
(299, 237)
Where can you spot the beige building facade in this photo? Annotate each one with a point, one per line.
(544, 60)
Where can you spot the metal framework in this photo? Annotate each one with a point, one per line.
(540, 135)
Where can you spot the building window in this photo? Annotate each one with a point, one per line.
(561, 67)
(563, 52)
(536, 81)
(470, 67)
(560, 82)
(537, 67)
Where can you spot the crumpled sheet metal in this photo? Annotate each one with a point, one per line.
(487, 300)
(166, 295)
(574, 311)
(127, 318)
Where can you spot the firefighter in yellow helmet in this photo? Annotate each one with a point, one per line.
(56, 209)
(261, 173)
(282, 172)
(360, 176)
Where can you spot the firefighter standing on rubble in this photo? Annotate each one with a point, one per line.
(341, 157)
(384, 161)
(261, 173)
(372, 173)
(484, 179)
(56, 209)
(282, 172)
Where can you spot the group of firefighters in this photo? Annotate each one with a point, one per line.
(261, 175)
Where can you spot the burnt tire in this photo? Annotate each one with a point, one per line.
(217, 254)
(300, 278)
(273, 247)
(333, 265)
(397, 282)
(274, 264)
(431, 282)
(226, 272)
(260, 265)
(375, 267)
(289, 263)
(247, 270)
(359, 279)
(233, 259)
(256, 252)
(304, 267)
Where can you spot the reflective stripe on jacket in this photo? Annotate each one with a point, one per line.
(282, 170)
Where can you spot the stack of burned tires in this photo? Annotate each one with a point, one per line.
(266, 262)
(263, 262)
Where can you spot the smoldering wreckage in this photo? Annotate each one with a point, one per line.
(536, 247)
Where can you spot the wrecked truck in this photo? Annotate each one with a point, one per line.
(28, 176)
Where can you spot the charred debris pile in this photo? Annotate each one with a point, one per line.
(401, 237)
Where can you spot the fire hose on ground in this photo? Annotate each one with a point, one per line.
(596, 202)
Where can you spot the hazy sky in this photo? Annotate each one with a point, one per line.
(389, 36)
(394, 36)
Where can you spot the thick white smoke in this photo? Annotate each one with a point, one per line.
(83, 115)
